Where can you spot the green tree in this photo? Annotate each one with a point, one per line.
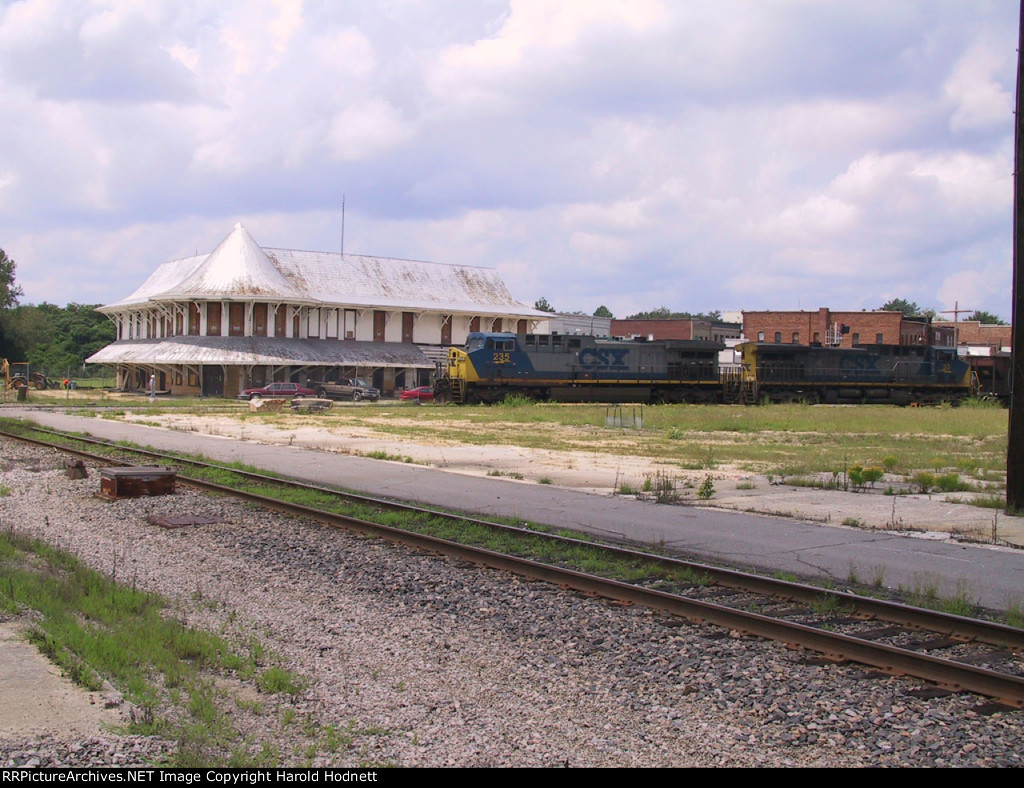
(664, 313)
(55, 339)
(542, 305)
(603, 311)
(908, 308)
(9, 291)
(986, 317)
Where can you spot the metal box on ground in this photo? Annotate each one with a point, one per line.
(136, 481)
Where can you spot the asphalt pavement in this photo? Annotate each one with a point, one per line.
(992, 576)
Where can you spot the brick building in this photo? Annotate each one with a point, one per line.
(844, 329)
(973, 333)
(676, 328)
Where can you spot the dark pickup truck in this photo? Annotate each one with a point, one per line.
(347, 388)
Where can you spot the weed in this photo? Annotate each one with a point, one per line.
(787, 577)
(872, 474)
(878, 575)
(960, 604)
(661, 487)
(544, 480)
(625, 488)
(517, 401)
(5, 491)
(746, 486)
(707, 488)
(827, 605)
(853, 522)
(924, 480)
(949, 482)
(274, 680)
(1014, 615)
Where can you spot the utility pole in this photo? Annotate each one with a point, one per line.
(955, 312)
(1015, 436)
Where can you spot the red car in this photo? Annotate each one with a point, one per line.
(278, 390)
(421, 394)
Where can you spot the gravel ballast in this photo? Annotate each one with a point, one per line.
(416, 660)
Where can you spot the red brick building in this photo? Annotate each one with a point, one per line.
(976, 334)
(676, 328)
(844, 329)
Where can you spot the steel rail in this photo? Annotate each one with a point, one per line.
(948, 624)
(955, 676)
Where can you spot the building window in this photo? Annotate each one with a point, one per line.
(878, 339)
(778, 337)
(856, 339)
(817, 337)
(760, 336)
(236, 319)
(796, 337)
(213, 320)
(259, 320)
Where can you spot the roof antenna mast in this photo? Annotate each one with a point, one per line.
(343, 225)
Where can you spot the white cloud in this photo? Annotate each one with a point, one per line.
(699, 155)
(366, 130)
(980, 100)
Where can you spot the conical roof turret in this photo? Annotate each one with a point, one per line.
(237, 268)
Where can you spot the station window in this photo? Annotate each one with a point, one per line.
(796, 337)
(856, 339)
(760, 336)
(878, 339)
(778, 337)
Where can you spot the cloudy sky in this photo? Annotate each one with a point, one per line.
(729, 154)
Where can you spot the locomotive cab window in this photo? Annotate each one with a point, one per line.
(502, 344)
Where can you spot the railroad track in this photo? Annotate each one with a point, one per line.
(957, 653)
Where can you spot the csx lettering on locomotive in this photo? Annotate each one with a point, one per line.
(603, 359)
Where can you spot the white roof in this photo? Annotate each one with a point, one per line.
(239, 269)
(251, 351)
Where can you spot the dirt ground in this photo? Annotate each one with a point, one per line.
(37, 699)
(604, 473)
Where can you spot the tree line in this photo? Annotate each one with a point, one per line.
(55, 340)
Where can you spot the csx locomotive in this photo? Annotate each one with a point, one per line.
(898, 374)
(566, 368)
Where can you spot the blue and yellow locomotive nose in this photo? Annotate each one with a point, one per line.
(460, 366)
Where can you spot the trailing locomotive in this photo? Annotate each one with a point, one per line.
(568, 368)
(897, 374)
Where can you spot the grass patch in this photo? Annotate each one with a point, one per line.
(96, 629)
(274, 680)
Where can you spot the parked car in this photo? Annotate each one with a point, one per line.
(420, 394)
(347, 388)
(277, 390)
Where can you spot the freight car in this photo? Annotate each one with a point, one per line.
(898, 374)
(567, 368)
